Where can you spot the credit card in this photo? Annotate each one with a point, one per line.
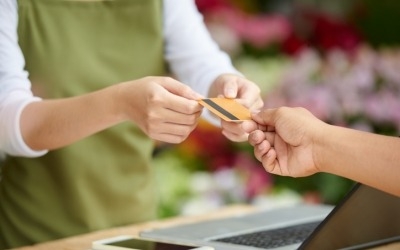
(227, 109)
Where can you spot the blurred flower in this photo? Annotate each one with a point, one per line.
(219, 156)
(256, 179)
(260, 31)
(344, 89)
(185, 191)
(265, 71)
(231, 27)
(226, 38)
(206, 6)
(208, 144)
(234, 29)
(208, 171)
(330, 33)
(293, 44)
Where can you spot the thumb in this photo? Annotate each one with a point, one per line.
(175, 87)
(230, 89)
(265, 117)
(249, 126)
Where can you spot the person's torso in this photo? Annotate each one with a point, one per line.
(73, 47)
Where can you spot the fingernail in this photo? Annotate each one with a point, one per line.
(230, 93)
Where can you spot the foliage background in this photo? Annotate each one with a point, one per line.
(339, 59)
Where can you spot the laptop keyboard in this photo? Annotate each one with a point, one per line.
(272, 238)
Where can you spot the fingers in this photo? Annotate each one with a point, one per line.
(234, 136)
(178, 103)
(239, 131)
(156, 117)
(234, 86)
(230, 88)
(172, 133)
(169, 115)
(233, 131)
(264, 150)
(261, 149)
(184, 106)
(249, 94)
(256, 137)
(270, 162)
(169, 126)
(178, 88)
(257, 105)
(265, 117)
(267, 155)
(250, 125)
(263, 142)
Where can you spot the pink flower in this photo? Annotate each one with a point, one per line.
(225, 37)
(257, 30)
(382, 107)
(262, 31)
(388, 65)
(257, 179)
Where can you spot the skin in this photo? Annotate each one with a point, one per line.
(293, 142)
(165, 109)
(245, 92)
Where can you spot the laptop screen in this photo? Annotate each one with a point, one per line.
(366, 217)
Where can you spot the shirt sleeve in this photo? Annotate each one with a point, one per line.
(15, 87)
(193, 56)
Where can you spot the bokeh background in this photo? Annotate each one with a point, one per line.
(339, 59)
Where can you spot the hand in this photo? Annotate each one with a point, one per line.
(283, 140)
(165, 109)
(245, 92)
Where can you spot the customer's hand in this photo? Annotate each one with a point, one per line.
(165, 109)
(284, 140)
(245, 92)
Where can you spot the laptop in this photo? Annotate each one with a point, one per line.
(364, 218)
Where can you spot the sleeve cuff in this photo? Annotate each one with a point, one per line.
(14, 144)
(25, 150)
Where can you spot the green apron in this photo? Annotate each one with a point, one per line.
(73, 47)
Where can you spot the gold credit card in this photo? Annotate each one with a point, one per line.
(227, 109)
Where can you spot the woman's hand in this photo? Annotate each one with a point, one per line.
(165, 109)
(245, 92)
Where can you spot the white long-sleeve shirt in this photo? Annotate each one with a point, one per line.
(191, 53)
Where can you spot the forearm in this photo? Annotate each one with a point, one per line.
(51, 124)
(364, 157)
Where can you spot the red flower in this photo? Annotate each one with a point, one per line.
(211, 5)
(293, 45)
(257, 180)
(323, 32)
(330, 33)
(207, 143)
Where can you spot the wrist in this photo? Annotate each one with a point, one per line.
(118, 106)
(322, 143)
